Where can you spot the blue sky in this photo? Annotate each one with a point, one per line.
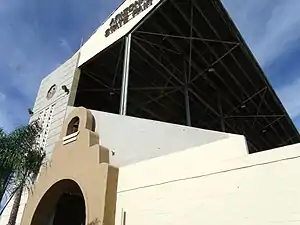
(37, 36)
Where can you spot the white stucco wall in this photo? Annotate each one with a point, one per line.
(135, 139)
(67, 74)
(191, 187)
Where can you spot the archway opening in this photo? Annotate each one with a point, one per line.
(62, 204)
(70, 210)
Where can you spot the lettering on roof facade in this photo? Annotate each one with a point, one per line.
(127, 14)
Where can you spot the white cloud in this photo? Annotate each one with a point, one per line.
(270, 27)
(290, 94)
(65, 45)
(35, 38)
(2, 97)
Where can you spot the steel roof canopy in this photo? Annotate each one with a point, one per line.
(192, 46)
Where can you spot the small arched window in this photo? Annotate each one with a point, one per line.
(73, 126)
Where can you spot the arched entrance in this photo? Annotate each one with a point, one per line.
(62, 204)
(90, 195)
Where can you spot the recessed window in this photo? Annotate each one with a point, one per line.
(73, 126)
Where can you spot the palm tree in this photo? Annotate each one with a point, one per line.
(20, 160)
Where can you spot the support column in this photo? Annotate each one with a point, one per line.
(187, 106)
(124, 89)
(221, 114)
(188, 78)
(187, 99)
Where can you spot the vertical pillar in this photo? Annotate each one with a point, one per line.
(187, 99)
(187, 79)
(124, 89)
(221, 114)
(187, 106)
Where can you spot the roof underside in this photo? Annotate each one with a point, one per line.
(190, 45)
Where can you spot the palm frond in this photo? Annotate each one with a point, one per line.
(20, 157)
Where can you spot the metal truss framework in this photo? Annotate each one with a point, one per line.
(185, 83)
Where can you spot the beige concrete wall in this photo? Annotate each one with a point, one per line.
(191, 187)
(78, 166)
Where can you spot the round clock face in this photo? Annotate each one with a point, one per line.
(51, 91)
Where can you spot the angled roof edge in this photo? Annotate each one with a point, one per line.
(108, 33)
(256, 64)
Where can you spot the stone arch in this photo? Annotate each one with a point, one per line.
(47, 209)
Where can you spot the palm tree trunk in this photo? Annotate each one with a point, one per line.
(14, 211)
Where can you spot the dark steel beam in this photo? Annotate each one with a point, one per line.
(254, 116)
(176, 78)
(132, 67)
(191, 42)
(274, 121)
(187, 59)
(157, 98)
(118, 63)
(95, 78)
(214, 63)
(246, 100)
(159, 46)
(200, 99)
(132, 101)
(212, 51)
(159, 72)
(178, 47)
(194, 49)
(188, 38)
(233, 57)
(260, 104)
(198, 53)
(129, 88)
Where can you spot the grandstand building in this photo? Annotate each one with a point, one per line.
(169, 83)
